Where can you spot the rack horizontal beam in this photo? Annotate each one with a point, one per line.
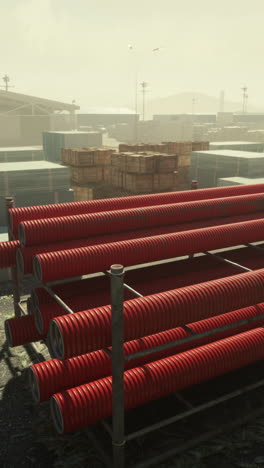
(228, 262)
(56, 298)
(192, 411)
(189, 339)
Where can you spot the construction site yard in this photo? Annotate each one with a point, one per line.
(29, 440)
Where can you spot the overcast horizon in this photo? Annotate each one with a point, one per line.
(80, 50)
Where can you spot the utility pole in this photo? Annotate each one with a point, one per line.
(144, 85)
(245, 98)
(6, 80)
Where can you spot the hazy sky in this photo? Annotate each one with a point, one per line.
(78, 49)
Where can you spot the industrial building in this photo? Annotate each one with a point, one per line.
(24, 118)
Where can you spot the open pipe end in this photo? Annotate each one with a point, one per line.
(21, 235)
(55, 341)
(20, 261)
(37, 270)
(33, 384)
(8, 334)
(56, 415)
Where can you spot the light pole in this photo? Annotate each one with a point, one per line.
(144, 85)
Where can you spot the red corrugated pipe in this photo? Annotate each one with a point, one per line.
(21, 330)
(89, 403)
(184, 272)
(70, 263)
(54, 376)
(8, 253)
(17, 215)
(25, 255)
(44, 313)
(80, 333)
(49, 230)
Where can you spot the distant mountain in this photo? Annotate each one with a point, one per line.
(183, 103)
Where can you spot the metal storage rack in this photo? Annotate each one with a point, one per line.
(117, 431)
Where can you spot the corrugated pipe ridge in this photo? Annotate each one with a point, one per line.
(89, 403)
(55, 265)
(8, 253)
(184, 273)
(146, 285)
(80, 333)
(17, 215)
(42, 231)
(54, 376)
(25, 255)
(21, 330)
(44, 313)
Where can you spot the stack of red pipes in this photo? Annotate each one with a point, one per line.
(62, 241)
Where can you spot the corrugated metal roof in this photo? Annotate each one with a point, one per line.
(8, 96)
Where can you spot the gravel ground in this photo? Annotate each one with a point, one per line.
(29, 440)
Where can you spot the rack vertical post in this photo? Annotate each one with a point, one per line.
(14, 272)
(118, 412)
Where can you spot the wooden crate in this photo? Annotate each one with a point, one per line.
(167, 181)
(184, 178)
(166, 163)
(178, 147)
(82, 158)
(82, 193)
(138, 183)
(200, 145)
(116, 178)
(107, 175)
(142, 163)
(102, 157)
(65, 156)
(88, 157)
(184, 160)
(115, 159)
(82, 175)
(123, 148)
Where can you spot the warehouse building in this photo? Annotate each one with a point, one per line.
(23, 118)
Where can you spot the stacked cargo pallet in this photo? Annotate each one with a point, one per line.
(144, 172)
(210, 294)
(209, 166)
(146, 168)
(90, 169)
